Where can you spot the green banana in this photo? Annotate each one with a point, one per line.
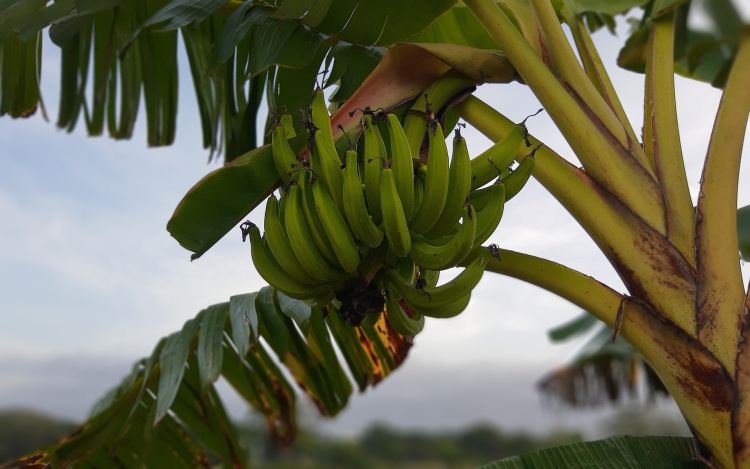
(355, 207)
(375, 155)
(399, 320)
(448, 255)
(283, 156)
(406, 269)
(459, 183)
(301, 240)
(418, 191)
(394, 218)
(278, 243)
(331, 166)
(515, 181)
(320, 117)
(317, 231)
(269, 269)
(288, 123)
(429, 210)
(336, 228)
(487, 166)
(481, 197)
(446, 311)
(322, 299)
(430, 277)
(402, 166)
(282, 208)
(489, 217)
(443, 295)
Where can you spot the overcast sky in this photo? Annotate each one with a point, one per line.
(90, 279)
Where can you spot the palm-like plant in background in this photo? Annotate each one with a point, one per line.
(685, 312)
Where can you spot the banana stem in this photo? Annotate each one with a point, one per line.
(569, 69)
(661, 136)
(605, 159)
(720, 295)
(598, 76)
(581, 290)
(631, 246)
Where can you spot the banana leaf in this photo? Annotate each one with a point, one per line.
(167, 412)
(651, 452)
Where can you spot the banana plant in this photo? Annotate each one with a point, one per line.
(685, 310)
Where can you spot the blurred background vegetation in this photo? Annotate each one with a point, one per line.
(379, 446)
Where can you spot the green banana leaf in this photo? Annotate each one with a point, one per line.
(651, 452)
(167, 412)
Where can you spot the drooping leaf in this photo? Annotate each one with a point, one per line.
(179, 13)
(20, 69)
(651, 452)
(167, 412)
(244, 320)
(601, 372)
(574, 327)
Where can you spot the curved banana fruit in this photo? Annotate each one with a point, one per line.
(515, 181)
(317, 231)
(336, 228)
(440, 257)
(407, 269)
(399, 320)
(402, 166)
(272, 273)
(430, 277)
(288, 123)
(444, 294)
(355, 207)
(394, 218)
(375, 155)
(302, 244)
(446, 311)
(489, 217)
(436, 184)
(278, 243)
(331, 166)
(320, 117)
(487, 166)
(283, 156)
(459, 184)
(322, 299)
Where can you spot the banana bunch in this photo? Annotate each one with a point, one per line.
(371, 229)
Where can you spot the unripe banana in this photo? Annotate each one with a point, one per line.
(394, 219)
(278, 243)
(355, 207)
(375, 155)
(320, 117)
(459, 183)
(407, 269)
(317, 231)
(402, 166)
(399, 320)
(283, 156)
(336, 228)
(487, 166)
(436, 184)
(447, 311)
(489, 217)
(272, 273)
(430, 277)
(331, 165)
(443, 295)
(288, 123)
(445, 256)
(515, 181)
(418, 191)
(322, 299)
(302, 244)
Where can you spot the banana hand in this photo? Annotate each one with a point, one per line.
(459, 183)
(436, 184)
(449, 254)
